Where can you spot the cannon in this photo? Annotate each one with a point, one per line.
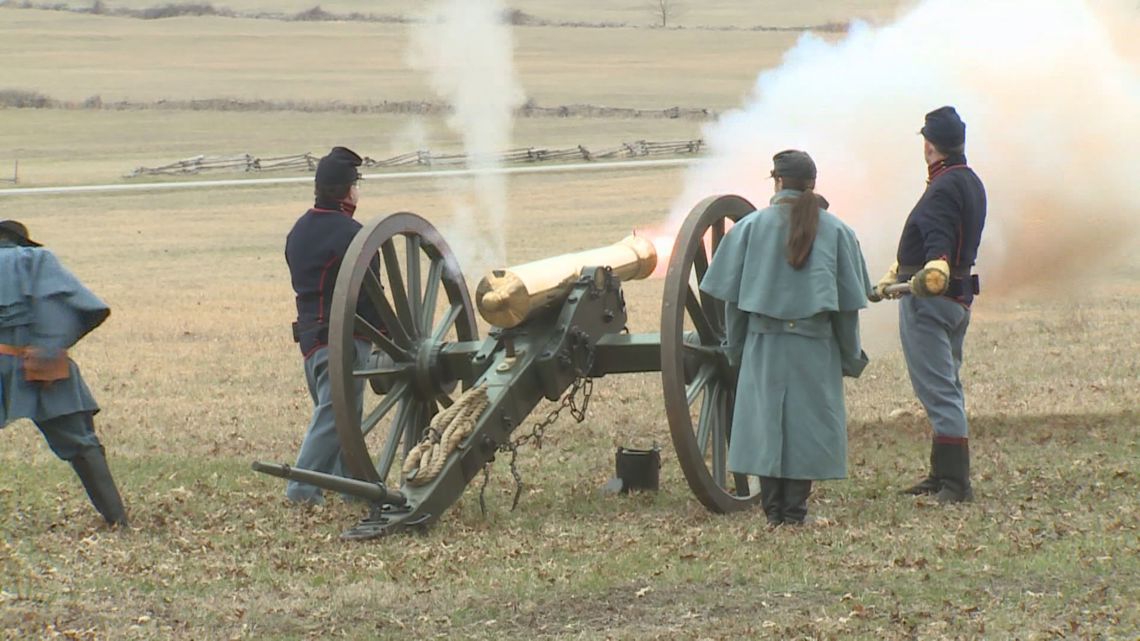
(448, 401)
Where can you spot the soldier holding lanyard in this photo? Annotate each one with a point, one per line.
(936, 252)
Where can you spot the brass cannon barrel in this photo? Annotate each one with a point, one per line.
(507, 297)
(374, 492)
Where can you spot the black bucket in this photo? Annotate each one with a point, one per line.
(639, 470)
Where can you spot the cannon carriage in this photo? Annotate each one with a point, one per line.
(448, 401)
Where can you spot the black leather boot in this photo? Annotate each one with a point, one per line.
(91, 467)
(932, 483)
(796, 493)
(953, 456)
(771, 498)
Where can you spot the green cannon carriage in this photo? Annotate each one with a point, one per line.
(452, 400)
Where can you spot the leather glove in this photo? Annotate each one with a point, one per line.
(931, 280)
(879, 292)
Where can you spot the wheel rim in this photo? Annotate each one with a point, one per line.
(383, 277)
(694, 368)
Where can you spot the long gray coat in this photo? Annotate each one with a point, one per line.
(43, 305)
(796, 333)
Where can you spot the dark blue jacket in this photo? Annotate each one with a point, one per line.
(946, 223)
(314, 250)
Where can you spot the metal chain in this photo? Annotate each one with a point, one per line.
(583, 386)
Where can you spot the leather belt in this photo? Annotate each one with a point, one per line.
(12, 350)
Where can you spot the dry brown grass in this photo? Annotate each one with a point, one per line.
(197, 377)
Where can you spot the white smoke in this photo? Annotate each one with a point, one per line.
(468, 53)
(1050, 92)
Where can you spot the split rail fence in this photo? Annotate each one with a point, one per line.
(308, 161)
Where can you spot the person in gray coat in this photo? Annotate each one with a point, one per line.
(44, 310)
(793, 279)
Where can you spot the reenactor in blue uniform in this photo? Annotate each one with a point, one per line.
(936, 254)
(793, 278)
(314, 250)
(45, 310)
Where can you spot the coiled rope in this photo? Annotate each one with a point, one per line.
(445, 432)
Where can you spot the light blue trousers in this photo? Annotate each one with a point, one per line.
(932, 332)
(320, 451)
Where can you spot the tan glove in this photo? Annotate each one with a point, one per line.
(931, 280)
(890, 278)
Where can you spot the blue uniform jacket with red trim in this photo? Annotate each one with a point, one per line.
(946, 222)
(314, 250)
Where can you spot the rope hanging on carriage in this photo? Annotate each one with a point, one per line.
(445, 432)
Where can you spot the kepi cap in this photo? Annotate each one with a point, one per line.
(20, 231)
(944, 128)
(338, 167)
(792, 163)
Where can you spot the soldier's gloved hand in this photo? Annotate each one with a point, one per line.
(879, 292)
(932, 279)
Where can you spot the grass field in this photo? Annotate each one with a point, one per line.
(197, 376)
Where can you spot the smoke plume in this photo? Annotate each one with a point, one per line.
(467, 52)
(1050, 92)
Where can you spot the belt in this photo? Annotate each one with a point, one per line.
(906, 271)
(12, 350)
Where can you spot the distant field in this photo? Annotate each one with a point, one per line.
(73, 57)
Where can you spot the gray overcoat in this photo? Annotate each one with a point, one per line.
(43, 305)
(796, 334)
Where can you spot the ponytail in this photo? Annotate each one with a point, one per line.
(803, 222)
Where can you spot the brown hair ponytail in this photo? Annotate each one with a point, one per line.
(803, 221)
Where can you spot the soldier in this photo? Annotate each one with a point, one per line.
(314, 250)
(44, 310)
(936, 252)
(793, 279)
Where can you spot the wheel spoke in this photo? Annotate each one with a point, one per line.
(431, 295)
(412, 427)
(706, 418)
(396, 284)
(693, 389)
(388, 456)
(717, 235)
(366, 329)
(383, 407)
(719, 441)
(375, 292)
(700, 320)
(415, 284)
(448, 320)
(701, 262)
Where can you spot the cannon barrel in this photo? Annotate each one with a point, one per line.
(374, 492)
(507, 297)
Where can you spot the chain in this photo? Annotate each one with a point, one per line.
(583, 387)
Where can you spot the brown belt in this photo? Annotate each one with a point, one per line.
(12, 350)
(39, 370)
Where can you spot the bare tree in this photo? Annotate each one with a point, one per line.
(665, 10)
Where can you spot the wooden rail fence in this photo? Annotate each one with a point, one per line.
(308, 161)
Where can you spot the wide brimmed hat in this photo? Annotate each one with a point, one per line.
(20, 231)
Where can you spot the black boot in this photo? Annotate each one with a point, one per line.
(953, 457)
(91, 466)
(771, 497)
(796, 493)
(932, 483)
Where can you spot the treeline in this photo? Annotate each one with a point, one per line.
(21, 99)
(317, 14)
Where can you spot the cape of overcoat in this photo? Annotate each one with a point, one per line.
(795, 333)
(42, 305)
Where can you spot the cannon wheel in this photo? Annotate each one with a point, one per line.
(698, 382)
(379, 274)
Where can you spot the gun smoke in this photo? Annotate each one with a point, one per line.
(1050, 92)
(467, 52)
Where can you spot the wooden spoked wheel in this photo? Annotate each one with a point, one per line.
(699, 382)
(387, 294)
